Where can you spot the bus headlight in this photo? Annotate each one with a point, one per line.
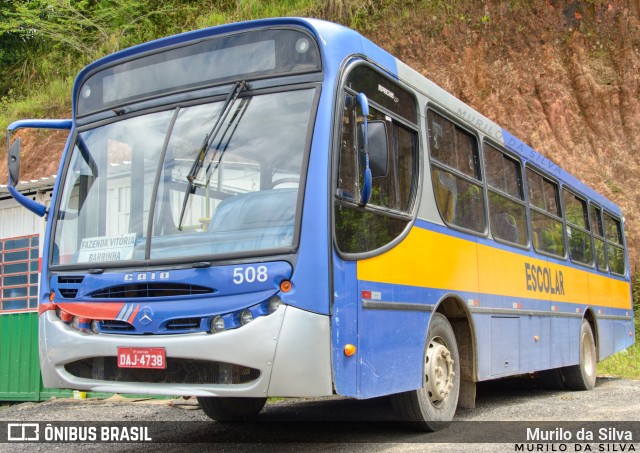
(273, 305)
(94, 326)
(217, 324)
(246, 317)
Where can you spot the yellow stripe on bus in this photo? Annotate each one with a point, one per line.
(435, 260)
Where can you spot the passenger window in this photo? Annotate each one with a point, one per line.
(598, 238)
(615, 248)
(361, 229)
(455, 171)
(546, 222)
(507, 211)
(577, 218)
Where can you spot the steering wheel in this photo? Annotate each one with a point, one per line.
(277, 182)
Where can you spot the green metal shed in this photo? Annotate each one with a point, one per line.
(19, 364)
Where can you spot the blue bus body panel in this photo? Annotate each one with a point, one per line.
(166, 314)
(514, 334)
(344, 327)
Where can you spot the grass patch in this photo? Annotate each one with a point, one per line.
(624, 364)
(50, 101)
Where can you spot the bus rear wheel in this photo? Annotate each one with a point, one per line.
(231, 409)
(583, 375)
(433, 406)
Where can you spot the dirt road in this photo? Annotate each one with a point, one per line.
(341, 424)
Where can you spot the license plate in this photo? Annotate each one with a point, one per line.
(142, 358)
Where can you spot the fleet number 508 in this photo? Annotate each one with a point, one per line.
(250, 274)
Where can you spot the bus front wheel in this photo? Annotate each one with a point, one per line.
(433, 406)
(583, 375)
(231, 409)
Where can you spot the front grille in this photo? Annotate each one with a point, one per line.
(70, 279)
(178, 371)
(184, 324)
(150, 290)
(113, 325)
(68, 293)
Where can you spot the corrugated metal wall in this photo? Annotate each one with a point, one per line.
(19, 366)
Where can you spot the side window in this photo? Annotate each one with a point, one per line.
(575, 209)
(615, 247)
(598, 238)
(455, 171)
(507, 210)
(546, 222)
(19, 273)
(362, 229)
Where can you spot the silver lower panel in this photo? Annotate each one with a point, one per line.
(290, 348)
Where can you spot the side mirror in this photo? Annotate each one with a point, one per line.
(365, 194)
(14, 163)
(378, 145)
(14, 159)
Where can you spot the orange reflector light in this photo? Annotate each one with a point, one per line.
(285, 286)
(52, 296)
(349, 350)
(66, 317)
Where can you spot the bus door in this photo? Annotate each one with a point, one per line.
(375, 190)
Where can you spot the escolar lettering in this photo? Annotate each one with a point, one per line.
(544, 279)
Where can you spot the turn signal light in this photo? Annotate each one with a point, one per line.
(285, 286)
(349, 350)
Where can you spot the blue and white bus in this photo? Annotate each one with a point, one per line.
(282, 208)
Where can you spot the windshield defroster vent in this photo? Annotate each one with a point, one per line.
(150, 290)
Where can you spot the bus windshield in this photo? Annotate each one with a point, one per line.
(210, 179)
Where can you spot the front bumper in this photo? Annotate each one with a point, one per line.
(290, 348)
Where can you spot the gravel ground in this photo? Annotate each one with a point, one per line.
(341, 424)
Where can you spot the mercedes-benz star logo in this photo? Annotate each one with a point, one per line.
(146, 314)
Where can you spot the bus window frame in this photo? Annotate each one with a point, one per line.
(339, 102)
(604, 240)
(623, 245)
(585, 200)
(523, 186)
(430, 105)
(530, 206)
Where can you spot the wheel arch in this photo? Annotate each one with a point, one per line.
(453, 307)
(590, 317)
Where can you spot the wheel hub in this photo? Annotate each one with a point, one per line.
(439, 372)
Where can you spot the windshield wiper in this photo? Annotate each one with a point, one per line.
(209, 139)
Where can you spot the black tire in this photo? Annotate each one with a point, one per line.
(583, 375)
(231, 409)
(433, 406)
